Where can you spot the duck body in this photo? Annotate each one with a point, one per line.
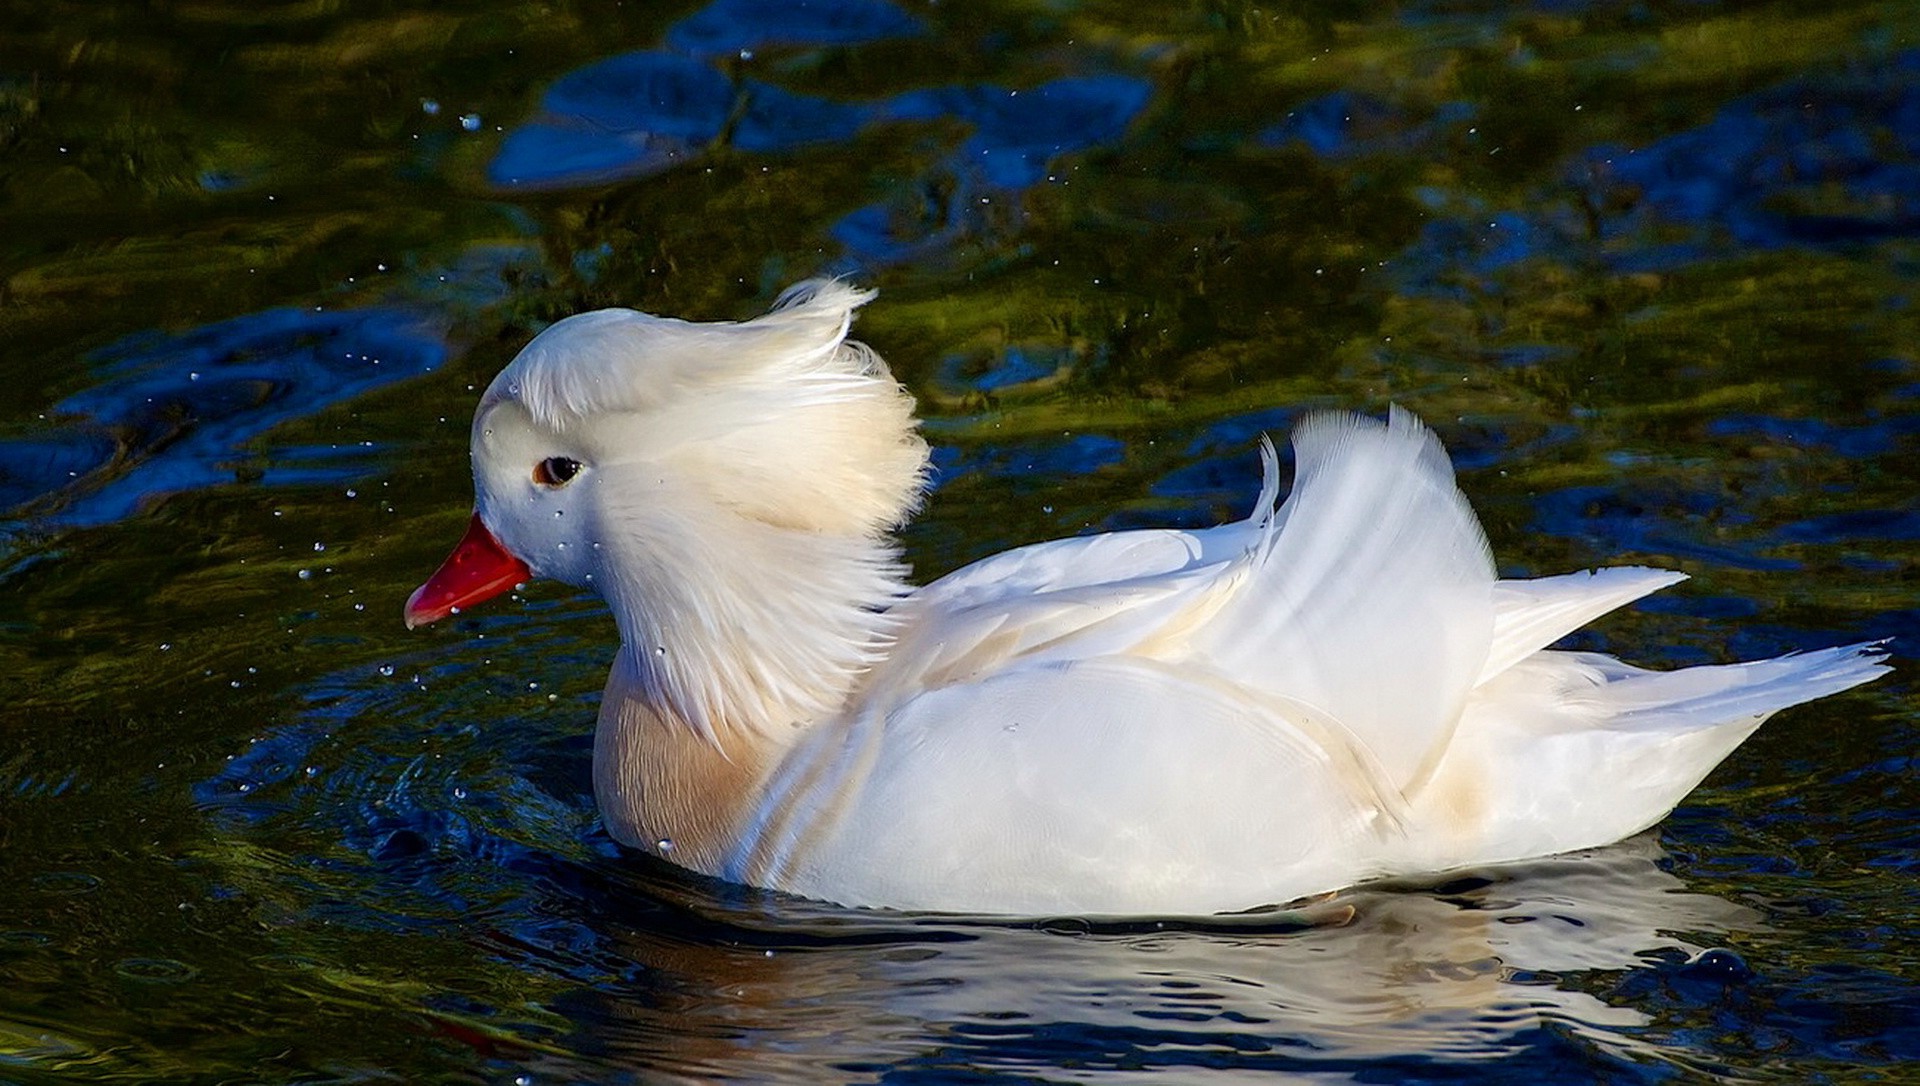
(1162, 722)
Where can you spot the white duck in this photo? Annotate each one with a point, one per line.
(1142, 722)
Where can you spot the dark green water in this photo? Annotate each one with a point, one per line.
(1650, 269)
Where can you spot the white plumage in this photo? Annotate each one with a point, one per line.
(1336, 688)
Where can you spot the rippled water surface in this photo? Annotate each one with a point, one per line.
(1650, 269)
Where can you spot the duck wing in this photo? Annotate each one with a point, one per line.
(1366, 598)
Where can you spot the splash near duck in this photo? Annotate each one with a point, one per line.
(1337, 688)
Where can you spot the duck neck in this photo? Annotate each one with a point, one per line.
(663, 788)
(731, 651)
(749, 634)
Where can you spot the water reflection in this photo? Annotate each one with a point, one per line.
(640, 114)
(644, 113)
(1346, 124)
(175, 412)
(1501, 964)
(729, 26)
(1831, 161)
(1018, 136)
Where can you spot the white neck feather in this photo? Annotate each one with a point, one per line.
(747, 630)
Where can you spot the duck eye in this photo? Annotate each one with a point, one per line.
(555, 471)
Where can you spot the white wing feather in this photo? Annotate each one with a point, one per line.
(1530, 615)
(1372, 600)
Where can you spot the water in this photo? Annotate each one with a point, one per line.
(1649, 270)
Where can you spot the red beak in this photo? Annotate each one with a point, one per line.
(478, 569)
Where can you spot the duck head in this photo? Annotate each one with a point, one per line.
(704, 478)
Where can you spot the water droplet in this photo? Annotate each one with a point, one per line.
(459, 792)
(319, 547)
(559, 512)
(1014, 727)
(352, 493)
(386, 669)
(660, 650)
(429, 107)
(470, 122)
(665, 844)
(306, 575)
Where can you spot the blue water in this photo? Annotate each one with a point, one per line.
(1649, 272)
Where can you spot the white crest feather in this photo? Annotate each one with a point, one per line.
(619, 360)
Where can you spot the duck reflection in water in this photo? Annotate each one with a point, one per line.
(1490, 963)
